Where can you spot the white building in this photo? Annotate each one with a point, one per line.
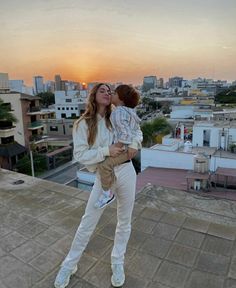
(191, 111)
(70, 104)
(213, 138)
(217, 134)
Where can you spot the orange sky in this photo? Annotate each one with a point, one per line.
(110, 40)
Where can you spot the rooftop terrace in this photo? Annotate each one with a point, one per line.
(178, 240)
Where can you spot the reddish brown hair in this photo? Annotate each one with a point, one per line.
(128, 95)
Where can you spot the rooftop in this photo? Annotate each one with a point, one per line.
(178, 240)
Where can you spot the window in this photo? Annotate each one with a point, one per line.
(67, 108)
(63, 108)
(68, 100)
(63, 115)
(76, 108)
(206, 137)
(71, 108)
(53, 128)
(58, 108)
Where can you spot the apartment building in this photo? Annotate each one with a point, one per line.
(26, 109)
(70, 104)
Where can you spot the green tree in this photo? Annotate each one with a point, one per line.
(5, 114)
(226, 96)
(47, 98)
(24, 164)
(152, 129)
(160, 125)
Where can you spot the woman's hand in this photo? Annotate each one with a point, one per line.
(132, 152)
(115, 151)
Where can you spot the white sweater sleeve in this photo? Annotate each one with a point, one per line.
(83, 153)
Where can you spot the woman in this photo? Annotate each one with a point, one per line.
(92, 136)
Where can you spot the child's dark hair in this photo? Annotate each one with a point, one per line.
(128, 95)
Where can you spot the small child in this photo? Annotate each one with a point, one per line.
(125, 123)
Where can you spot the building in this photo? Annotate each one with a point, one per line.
(149, 82)
(38, 85)
(175, 82)
(70, 104)
(58, 83)
(215, 134)
(50, 86)
(29, 128)
(4, 82)
(160, 83)
(194, 111)
(19, 86)
(10, 150)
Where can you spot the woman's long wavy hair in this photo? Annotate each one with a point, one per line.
(90, 115)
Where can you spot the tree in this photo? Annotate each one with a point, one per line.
(152, 129)
(47, 98)
(148, 133)
(24, 165)
(5, 114)
(226, 96)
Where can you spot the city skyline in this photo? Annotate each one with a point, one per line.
(115, 41)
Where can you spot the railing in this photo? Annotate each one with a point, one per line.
(35, 138)
(7, 127)
(35, 124)
(34, 109)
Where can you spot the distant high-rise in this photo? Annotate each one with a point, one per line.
(38, 85)
(64, 85)
(175, 82)
(160, 83)
(58, 83)
(149, 82)
(49, 86)
(4, 82)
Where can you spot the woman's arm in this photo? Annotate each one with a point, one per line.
(87, 155)
(83, 153)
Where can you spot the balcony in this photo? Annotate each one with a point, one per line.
(6, 132)
(37, 138)
(35, 125)
(6, 129)
(33, 110)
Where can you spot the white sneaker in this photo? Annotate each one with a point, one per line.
(63, 277)
(104, 199)
(118, 276)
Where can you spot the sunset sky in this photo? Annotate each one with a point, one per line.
(118, 40)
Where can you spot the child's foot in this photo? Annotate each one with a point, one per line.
(104, 199)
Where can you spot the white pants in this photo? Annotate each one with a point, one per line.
(124, 189)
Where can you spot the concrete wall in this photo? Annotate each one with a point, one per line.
(166, 159)
(221, 162)
(179, 160)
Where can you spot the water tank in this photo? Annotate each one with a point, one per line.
(200, 163)
(188, 147)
